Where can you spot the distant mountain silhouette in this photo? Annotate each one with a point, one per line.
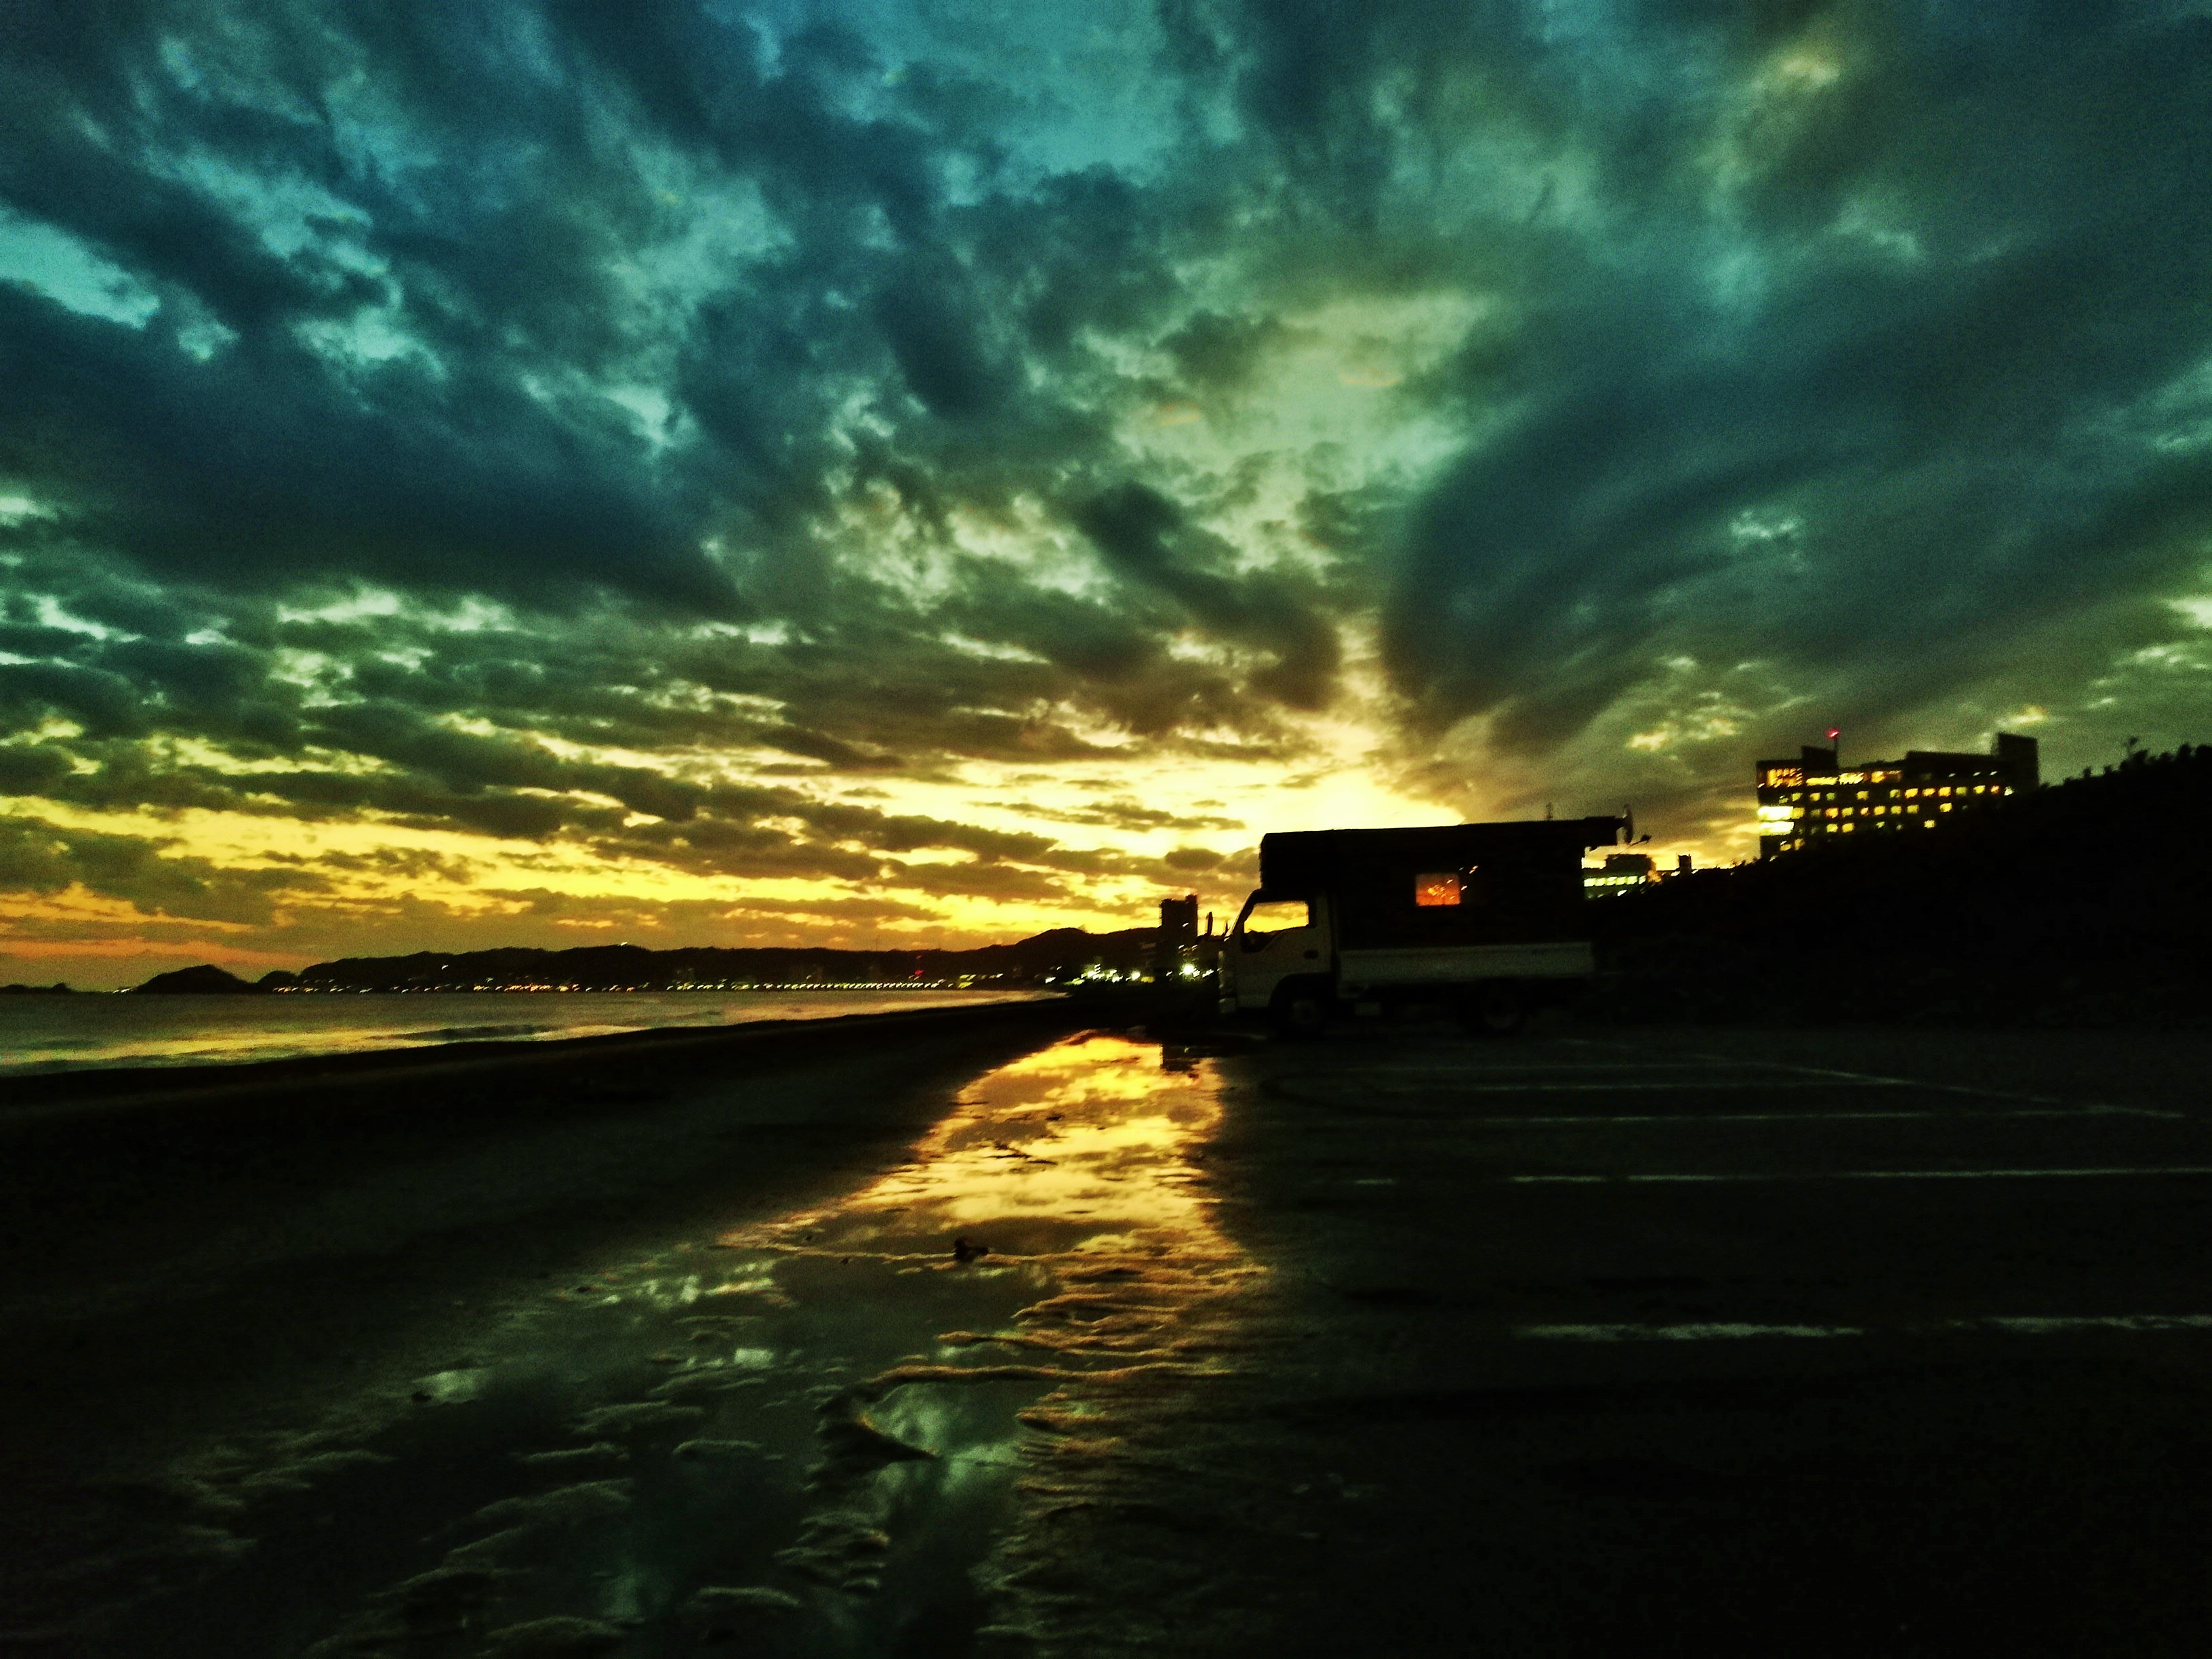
(1045, 959)
(196, 981)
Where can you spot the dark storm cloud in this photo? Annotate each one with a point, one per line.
(394, 267)
(1852, 342)
(258, 463)
(1939, 405)
(46, 860)
(1125, 814)
(1149, 539)
(1192, 860)
(1214, 352)
(468, 464)
(413, 863)
(932, 335)
(406, 761)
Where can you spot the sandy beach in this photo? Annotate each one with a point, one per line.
(235, 1256)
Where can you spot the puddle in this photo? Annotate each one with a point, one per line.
(805, 1439)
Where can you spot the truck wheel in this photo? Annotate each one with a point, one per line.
(1298, 1013)
(1494, 1011)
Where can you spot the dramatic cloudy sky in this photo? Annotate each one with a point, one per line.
(879, 471)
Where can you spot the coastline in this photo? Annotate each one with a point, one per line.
(28, 1096)
(244, 1256)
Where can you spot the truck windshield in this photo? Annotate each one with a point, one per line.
(1275, 916)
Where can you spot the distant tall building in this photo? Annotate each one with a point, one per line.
(1621, 872)
(1809, 799)
(1178, 934)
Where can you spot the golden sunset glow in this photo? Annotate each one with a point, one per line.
(1055, 452)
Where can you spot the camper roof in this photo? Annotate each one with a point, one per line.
(1295, 858)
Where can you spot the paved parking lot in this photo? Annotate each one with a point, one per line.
(1399, 1343)
(1733, 1342)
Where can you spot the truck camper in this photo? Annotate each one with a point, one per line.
(1486, 918)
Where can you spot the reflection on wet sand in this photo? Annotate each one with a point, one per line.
(848, 1431)
(1071, 1179)
(1072, 1160)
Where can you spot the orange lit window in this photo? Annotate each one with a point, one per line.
(1440, 889)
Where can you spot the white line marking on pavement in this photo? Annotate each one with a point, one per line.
(1452, 1074)
(1764, 1084)
(1401, 1077)
(1596, 1119)
(2116, 1172)
(1729, 1331)
(2052, 1327)
(1699, 1333)
(1963, 1088)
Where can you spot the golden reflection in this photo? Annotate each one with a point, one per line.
(1082, 1150)
(1064, 1199)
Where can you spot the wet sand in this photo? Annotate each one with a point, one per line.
(212, 1277)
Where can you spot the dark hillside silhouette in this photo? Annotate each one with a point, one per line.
(205, 980)
(2067, 906)
(1044, 958)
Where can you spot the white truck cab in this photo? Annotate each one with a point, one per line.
(1275, 939)
(1486, 917)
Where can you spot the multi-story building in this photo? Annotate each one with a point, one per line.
(1807, 800)
(1621, 872)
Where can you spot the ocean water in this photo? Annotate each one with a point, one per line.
(68, 1033)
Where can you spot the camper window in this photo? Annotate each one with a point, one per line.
(1440, 887)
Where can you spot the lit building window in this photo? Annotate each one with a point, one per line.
(1816, 799)
(1441, 888)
